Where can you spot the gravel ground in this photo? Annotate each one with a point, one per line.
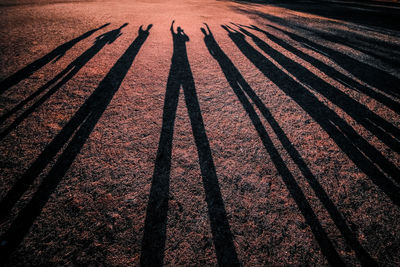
(272, 140)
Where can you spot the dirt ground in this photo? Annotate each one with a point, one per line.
(268, 136)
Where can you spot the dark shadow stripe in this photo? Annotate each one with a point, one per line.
(77, 130)
(153, 244)
(65, 76)
(381, 80)
(241, 87)
(385, 131)
(54, 55)
(363, 154)
(330, 71)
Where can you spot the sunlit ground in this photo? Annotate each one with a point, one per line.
(242, 133)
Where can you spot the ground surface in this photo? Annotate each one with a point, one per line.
(287, 154)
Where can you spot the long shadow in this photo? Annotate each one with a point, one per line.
(241, 89)
(62, 78)
(332, 72)
(384, 51)
(73, 136)
(54, 55)
(154, 237)
(381, 15)
(384, 130)
(362, 153)
(381, 80)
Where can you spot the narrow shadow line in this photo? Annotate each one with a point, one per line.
(364, 41)
(76, 132)
(240, 86)
(54, 56)
(332, 72)
(384, 51)
(241, 89)
(50, 151)
(381, 80)
(65, 76)
(363, 154)
(376, 18)
(381, 128)
(153, 244)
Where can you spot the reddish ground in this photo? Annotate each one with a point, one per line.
(308, 171)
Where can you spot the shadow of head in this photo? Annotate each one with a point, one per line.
(205, 32)
(232, 32)
(103, 26)
(146, 31)
(242, 26)
(111, 36)
(182, 35)
(252, 26)
(243, 30)
(123, 25)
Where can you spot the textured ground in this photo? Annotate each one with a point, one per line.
(289, 153)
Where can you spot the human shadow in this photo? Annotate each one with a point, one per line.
(59, 80)
(54, 56)
(241, 89)
(378, 15)
(381, 80)
(385, 51)
(154, 237)
(363, 154)
(73, 136)
(331, 71)
(385, 131)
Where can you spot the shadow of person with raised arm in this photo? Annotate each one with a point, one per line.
(385, 131)
(363, 154)
(54, 56)
(241, 89)
(59, 80)
(73, 135)
(154, 237)
(331, 71)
